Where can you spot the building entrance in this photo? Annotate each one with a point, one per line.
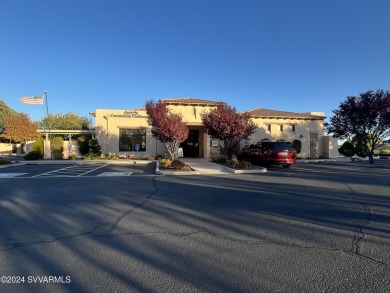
(191, 145)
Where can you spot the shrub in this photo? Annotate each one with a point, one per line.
(111, 156)
(165, 162)
(72, 157)
(83, 144)
(94, 147)
(233, 162)
(245, 164)
(177, 164)
(297, 145)
(38, 146)
(4, 162)
(385, 152)
(57, 145)
(219, 159)
(360, 149)
(87, 157)
(33, 155)
(347, 149)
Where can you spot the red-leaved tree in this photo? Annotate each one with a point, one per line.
(167, 127)
(364, 119)
(225, 124)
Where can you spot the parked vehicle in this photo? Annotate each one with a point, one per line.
(269, 153)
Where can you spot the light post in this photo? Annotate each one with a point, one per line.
(107, 139)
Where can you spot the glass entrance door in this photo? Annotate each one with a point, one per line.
(191, 144)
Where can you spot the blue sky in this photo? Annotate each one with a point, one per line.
(297, 56)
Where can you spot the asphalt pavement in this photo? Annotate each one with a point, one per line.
(313, 228)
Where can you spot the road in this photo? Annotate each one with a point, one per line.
(313, 228)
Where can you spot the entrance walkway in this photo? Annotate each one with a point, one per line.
(204, 166)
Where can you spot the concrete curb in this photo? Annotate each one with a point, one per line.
(256, 171)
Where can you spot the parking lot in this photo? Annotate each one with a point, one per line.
(316, 227)
(76, 170)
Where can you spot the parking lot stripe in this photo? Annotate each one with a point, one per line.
(9, 175)
(93, 169)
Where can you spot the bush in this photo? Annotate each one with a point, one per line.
(384, 152)
(33, 155)
(94, 147)
(233, 162)
(111, 156)
(4, 162)
(245, 164)
(72, 157)
(87, 157)
(297, 145)
(177, 164)
(347, 149)
(83, 144)
(360, 149)
(57, 145)
(38, 146)
(219, 159)
(165, 162)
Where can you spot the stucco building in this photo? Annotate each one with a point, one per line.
(127, 132)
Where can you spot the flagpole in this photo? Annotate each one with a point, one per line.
(48, 122)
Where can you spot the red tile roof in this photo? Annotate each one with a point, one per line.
(190, 101)
(266, 113)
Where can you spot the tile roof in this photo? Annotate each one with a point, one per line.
(191, 101)
(266, 113)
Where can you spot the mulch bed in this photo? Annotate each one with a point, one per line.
(185, 169)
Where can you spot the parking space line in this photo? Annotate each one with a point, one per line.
(115, 174)
(93, 170)
(10, 175)
(48, 173)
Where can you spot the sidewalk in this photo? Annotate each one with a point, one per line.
(204, 166)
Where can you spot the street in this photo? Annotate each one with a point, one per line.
(321, 227)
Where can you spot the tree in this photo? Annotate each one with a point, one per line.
(225, 124)
(68, 121)
(57, 145)
(94, 147)
(365, 119)
(167, 127)
(19, 128)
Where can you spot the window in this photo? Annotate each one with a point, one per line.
(292, 128)
(268, 126)
(280, 127)
(128, 138)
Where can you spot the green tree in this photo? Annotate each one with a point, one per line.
(94, 147)
(347, 149)
(83, 143)
(365, 118)
(68, 121)
(57, 145)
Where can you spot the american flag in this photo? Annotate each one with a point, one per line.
(35, 100)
